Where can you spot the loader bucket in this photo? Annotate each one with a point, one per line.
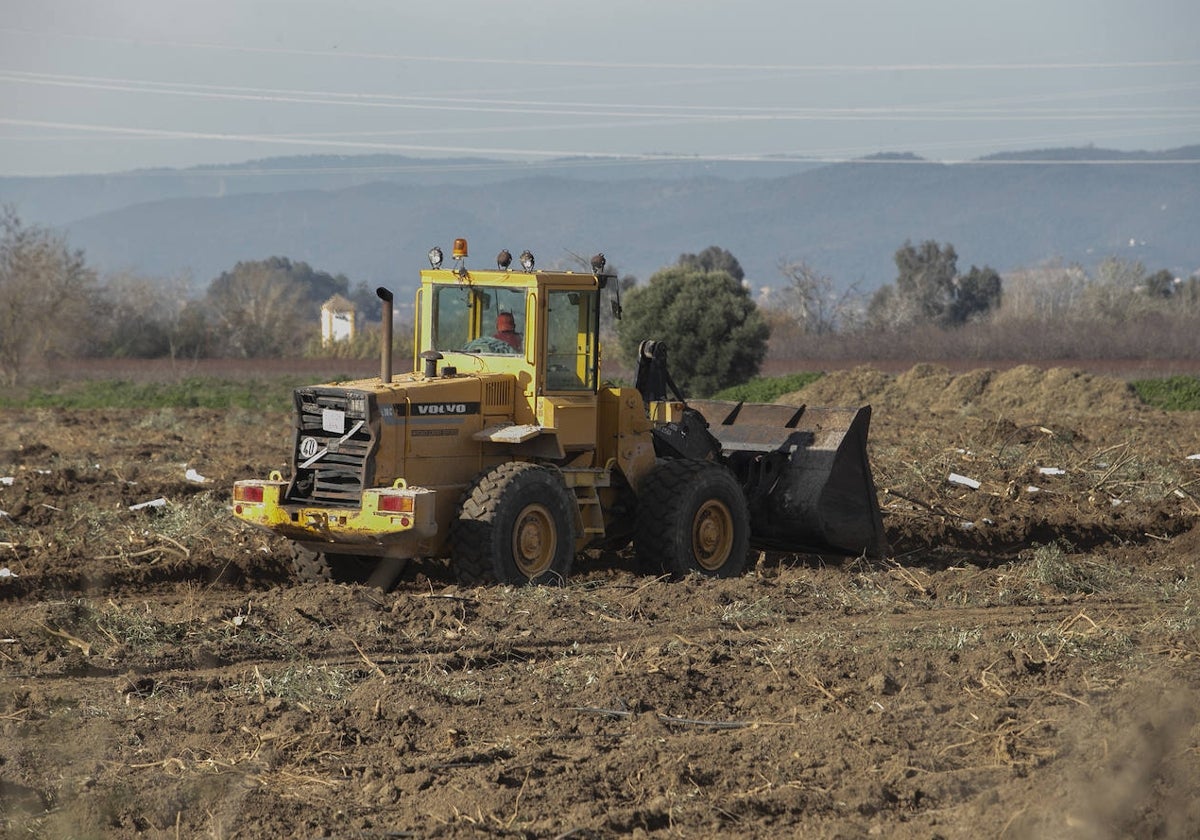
(805, 473)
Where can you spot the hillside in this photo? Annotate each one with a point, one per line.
(60, 200)
(846, 220)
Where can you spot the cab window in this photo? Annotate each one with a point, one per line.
(571, 323)
(451, 317)
(487, 321)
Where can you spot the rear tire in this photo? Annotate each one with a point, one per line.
(515, 525)
(692, 519)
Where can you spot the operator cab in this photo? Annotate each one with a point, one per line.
(541, 326)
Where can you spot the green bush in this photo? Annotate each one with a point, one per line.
(1174, 393)
(767, 389)
(708, 322)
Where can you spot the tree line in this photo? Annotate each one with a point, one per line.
(719, 332)
(717, 328)
(52, 304)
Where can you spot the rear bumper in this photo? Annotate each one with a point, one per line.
(390, 518)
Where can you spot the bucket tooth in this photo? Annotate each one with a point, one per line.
(723, 413)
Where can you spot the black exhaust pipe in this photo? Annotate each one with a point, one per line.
(385, 336)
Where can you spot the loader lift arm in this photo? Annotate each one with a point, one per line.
(687, 437)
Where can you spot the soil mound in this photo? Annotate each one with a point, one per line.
(1023, 390)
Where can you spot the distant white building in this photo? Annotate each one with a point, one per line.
(337, 320)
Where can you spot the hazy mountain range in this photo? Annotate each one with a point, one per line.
(373, 218)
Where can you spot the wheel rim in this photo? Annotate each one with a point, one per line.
(534, 541)
(712, 535)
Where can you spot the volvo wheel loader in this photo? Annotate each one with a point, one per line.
(503, 450)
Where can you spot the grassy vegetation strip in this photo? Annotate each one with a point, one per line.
(767, 389)
(199, 392)
(1173, 393)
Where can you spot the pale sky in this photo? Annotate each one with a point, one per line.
(112, 85)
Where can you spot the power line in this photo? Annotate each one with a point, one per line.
(681, 113)
(933, 67)
(563, 153)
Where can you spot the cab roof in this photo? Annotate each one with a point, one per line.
(528, 279)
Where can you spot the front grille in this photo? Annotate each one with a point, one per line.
(331, 459)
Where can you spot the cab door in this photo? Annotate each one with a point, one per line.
(569, 365)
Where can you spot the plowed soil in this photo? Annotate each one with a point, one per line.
(1024, 664)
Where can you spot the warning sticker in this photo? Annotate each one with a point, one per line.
(333, 420)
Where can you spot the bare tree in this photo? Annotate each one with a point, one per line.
(1048, 292)
(45, 296)
(261, 311)
(143, 315)
(812, 300)
(1118, 291)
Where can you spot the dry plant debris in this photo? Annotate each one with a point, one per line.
(1024, 664)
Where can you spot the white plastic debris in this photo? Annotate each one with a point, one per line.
(1032, 489)
(955, 478)
(7, 573)
(1052, 471)
(1195, 457)
(6, 480)
(153, 503)
(192, 475)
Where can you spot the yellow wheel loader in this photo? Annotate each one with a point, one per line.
(502, 450)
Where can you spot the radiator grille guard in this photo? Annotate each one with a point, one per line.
(332, 442)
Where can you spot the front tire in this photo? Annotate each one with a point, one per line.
(692, 519)
(312, 566)
(515, 525)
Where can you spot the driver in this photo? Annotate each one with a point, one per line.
(506, 330)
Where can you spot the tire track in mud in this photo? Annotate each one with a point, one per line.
(899, 700)
(482, 642)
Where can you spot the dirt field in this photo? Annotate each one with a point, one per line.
(1026, 665)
